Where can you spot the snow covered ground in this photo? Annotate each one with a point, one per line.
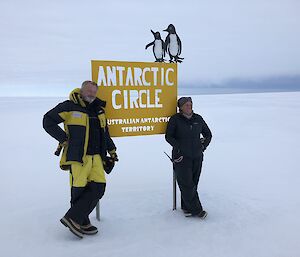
(249, 186)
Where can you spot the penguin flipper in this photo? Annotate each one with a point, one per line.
(150, 44)
(163, 48)
(179, 44)
(167, 43)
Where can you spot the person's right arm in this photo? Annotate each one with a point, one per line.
(170, 133)
(51, 120)
(171, 139)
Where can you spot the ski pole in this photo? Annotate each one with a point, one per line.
(98, 211)
(168, 157)
(174, 190)
(174, 184)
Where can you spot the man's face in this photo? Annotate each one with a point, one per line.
(88, 93)
(187, 108)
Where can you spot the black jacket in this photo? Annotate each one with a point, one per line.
(76, 118)
(184, 135)
(95, 135)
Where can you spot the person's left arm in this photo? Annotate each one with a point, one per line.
(111, 147)
(206, 134)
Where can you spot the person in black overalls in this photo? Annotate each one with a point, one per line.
(189, 135)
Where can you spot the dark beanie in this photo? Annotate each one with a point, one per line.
(182, 100)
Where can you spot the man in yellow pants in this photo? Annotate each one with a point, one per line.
(85, 141)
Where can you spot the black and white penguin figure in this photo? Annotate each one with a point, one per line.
(173, 44)
(158, 47)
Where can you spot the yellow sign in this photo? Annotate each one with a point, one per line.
(140, 96)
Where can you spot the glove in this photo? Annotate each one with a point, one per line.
(109, 161)
(178, 157)
(202, 139)
(178, 160)
(114, 156)
(108, 164)
(60, 147)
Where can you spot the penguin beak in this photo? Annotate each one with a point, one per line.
(166, 30)
(152, 32)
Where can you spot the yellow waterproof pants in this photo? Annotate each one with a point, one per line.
(91, 170)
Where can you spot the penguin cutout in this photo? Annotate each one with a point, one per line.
(173, 44)
(158, 47)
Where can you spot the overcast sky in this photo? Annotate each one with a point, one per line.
(49, 44)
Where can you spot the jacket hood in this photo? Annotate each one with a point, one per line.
(76, 98)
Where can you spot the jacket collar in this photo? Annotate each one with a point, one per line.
(76, 98)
